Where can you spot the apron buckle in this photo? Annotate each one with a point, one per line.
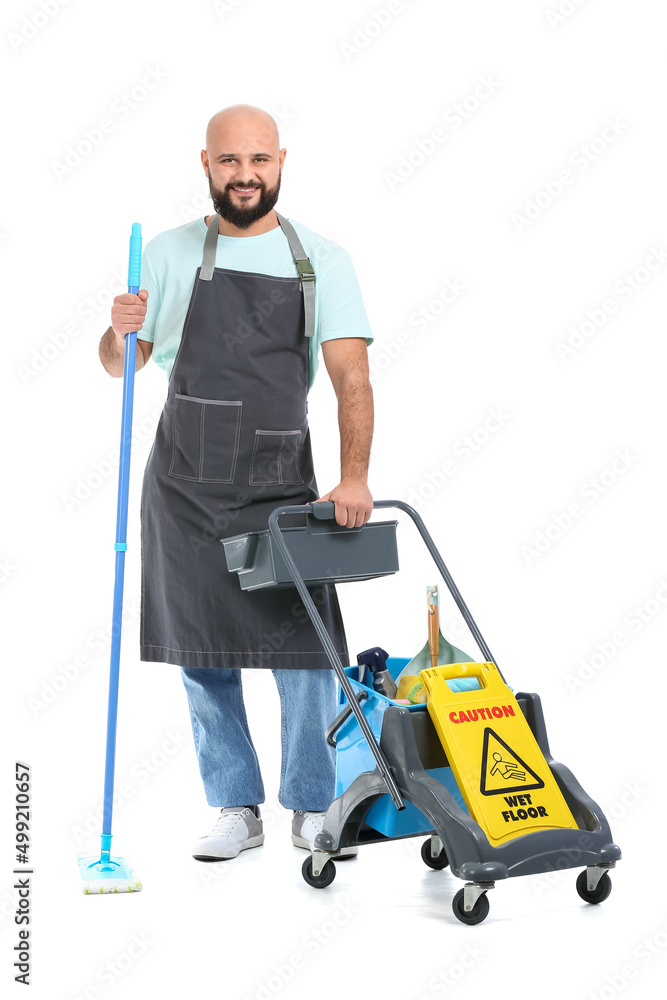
(305, 269)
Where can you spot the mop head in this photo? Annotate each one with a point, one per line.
(99, 879)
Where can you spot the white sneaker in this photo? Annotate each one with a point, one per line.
(306, 826)
(236, 829)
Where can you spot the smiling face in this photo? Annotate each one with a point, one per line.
(243, 163)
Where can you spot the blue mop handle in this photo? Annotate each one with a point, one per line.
(133, 284)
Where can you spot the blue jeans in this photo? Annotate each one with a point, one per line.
(226, 756)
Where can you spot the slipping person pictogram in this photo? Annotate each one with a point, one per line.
(502, 767)
(507, 769)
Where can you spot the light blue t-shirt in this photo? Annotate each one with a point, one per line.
(170, 261)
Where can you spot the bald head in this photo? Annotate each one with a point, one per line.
(242, 120)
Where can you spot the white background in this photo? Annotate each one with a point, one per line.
(353, 102)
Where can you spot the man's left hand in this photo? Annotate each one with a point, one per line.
(353, 502)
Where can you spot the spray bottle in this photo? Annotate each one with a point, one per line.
(376, 661)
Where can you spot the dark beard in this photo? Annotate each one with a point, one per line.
(241, 217)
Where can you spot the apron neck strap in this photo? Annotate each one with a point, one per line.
(303, 265)
(306, 273)
(210, 249)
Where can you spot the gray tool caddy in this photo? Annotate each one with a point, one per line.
(405, 746)
(323, 552)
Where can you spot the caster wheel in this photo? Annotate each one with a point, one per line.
(321, 881)
(599, 894)
(478, 913)
(437, 864)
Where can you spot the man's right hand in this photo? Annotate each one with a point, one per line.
(127, 314)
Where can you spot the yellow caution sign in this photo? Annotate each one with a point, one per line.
(501, 772)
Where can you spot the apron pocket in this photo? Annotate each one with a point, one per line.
(275, 458)
(205, 438)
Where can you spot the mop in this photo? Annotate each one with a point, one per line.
(114, 873)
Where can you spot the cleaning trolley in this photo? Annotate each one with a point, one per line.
(469, 767)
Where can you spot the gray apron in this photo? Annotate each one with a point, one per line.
(232, 444)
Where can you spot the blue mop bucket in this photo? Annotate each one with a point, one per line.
(353, 757)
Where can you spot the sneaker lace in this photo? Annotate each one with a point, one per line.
(226, 822)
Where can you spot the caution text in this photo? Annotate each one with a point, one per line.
(480, 714)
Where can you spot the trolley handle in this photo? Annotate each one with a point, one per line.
(330, 732)
(327, 510)
(322, 509)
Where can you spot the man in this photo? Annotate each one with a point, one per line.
(240, 348)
